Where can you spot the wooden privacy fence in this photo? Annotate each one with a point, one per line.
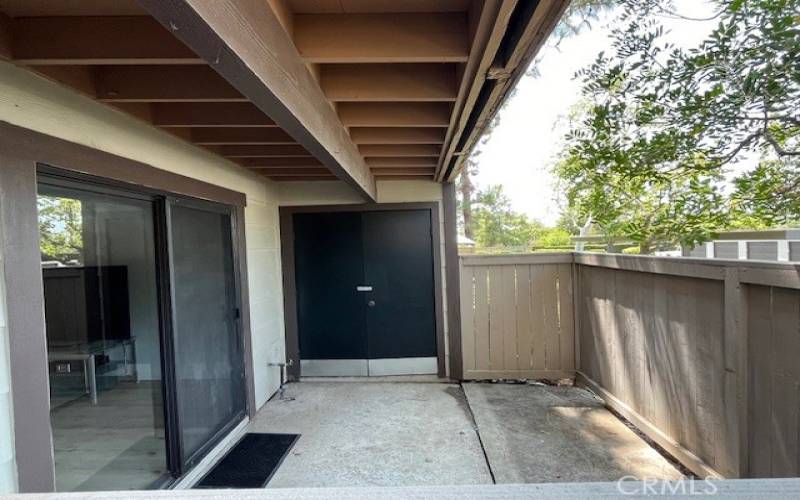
(517, 317)
(703, 355)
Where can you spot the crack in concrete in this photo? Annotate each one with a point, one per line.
(471, 415)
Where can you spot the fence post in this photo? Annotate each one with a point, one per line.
(576, 312)
(736, 375)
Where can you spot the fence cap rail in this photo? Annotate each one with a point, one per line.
(518, 259)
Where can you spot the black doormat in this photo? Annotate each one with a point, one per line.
(251, 463)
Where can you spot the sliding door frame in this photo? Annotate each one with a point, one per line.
(290, 282)
(22, 152)
(161, 201)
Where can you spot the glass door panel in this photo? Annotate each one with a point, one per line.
(103, 338)
(209, 367)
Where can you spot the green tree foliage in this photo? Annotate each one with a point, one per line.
(768, 196)
(552, 237)
(646, 158)
(60, 226)
(496, 224)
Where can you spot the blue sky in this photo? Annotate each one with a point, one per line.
(520, 151)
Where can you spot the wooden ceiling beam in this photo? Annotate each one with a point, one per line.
(163, 84)
(403, 171)
(209, 114)
(5, 37)
(81, 78)
(222, 136)
(401, 161)
(245, 42)
(392, 114)
(261, 151)
(387, 37)
(397, 135)
(395, 150)
(295, 178)
(389, 82)
(289, 161)
(276, 171)
(89, 40)
(404, 177)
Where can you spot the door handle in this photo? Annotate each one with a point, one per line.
(371, 303)
(363, 288)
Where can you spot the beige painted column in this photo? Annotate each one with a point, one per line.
(8, 467)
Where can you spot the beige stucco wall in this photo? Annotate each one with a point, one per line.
(29, 101)
(400, 191)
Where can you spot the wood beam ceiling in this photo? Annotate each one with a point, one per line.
(363, 88)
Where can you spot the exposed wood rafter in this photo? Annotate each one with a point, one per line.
(380, 38)
(389, 82)
(393, 114)
(397, 135)
(82, 40)
(395, 150)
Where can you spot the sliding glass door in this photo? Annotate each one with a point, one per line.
(144, 336)
(209, 367)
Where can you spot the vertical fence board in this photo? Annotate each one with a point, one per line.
(481, 319)
(785, 381)
(760, 327)
(496, 324)
(468, 317)
(537, 317)
(524, 334)
(566, 331)
(552, 352)
(509, 312)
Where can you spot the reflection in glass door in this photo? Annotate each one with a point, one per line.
(103, 338)
(209, 367)
(144, 343)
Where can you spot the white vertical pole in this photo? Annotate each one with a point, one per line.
(783, 250)
(742, 249)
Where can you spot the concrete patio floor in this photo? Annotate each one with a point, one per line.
(422, 434)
